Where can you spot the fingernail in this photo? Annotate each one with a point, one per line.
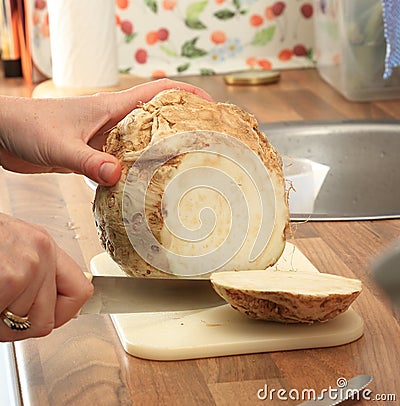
(106, 171)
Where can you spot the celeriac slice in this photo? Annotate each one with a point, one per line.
(286, 296)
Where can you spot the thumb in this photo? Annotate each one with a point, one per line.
(107, 173)
(100, 167)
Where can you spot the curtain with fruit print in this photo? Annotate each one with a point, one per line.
(159, 38)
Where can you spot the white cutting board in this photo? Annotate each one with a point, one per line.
(222, 330)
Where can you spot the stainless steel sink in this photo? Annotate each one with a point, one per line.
(363, 181)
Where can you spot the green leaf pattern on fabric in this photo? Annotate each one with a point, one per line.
(193, 12)
(182, 68)
(264, 36)
(224, 14)
(190, 50)
(152, 5)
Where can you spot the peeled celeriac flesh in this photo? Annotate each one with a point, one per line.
(173, 112)
(286, 296)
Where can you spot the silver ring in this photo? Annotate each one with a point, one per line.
(15, 322)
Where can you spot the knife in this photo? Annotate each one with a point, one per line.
(344, 391)
(124, 294)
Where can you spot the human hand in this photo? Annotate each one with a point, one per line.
(67, 134)
(37, 279)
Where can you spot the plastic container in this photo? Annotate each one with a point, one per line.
(351, 48)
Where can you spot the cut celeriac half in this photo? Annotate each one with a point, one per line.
(286, 296)
(171, 114)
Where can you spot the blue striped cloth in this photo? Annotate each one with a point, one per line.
(391, 18)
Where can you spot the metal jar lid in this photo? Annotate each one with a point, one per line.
(252, 77)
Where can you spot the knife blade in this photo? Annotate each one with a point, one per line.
(340, 393)
(124, 294)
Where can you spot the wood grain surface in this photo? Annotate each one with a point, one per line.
(83, 362)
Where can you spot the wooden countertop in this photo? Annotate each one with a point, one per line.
(83, 363)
